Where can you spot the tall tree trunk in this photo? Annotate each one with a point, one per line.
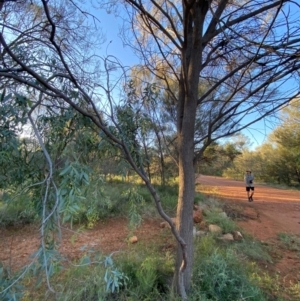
(186, 116)
(184, 222)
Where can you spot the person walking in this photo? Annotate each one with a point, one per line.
(249, 181)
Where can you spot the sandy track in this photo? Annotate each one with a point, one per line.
(278, 209)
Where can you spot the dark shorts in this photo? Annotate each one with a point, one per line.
(248, 188)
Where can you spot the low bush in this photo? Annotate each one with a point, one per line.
(149, 274)
(220, 275)
(17, 211)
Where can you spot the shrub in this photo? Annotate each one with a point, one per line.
(17, 210)
(220, 275)
(148, 273)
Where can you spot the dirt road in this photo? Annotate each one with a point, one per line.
(278, 209)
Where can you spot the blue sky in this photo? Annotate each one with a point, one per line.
(259, 131)
(110, 24)
(114, 46)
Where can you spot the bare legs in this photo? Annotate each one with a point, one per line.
(250, 194)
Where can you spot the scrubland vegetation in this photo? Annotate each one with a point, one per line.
(221, 270)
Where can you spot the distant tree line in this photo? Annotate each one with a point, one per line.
(275, 161)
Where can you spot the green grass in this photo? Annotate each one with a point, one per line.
(74, 284)
(253, 249)
(145, 275)
(221, 271)
(290, 242)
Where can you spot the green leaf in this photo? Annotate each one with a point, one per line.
(65, 170)
(108, 261)
(86, 260)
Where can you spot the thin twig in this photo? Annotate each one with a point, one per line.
(21, 275)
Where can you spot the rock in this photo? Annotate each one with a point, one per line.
(200, 233)
(202, 225)
(194, 231)
(214, 229)
(227, 237)
(133, 239)
(223, 214)
(197, 216)
(237, 235)
(164, 225)
(205, 209)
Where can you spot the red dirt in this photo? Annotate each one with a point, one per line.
(273, 211)
(278, 209)
(110, 235)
